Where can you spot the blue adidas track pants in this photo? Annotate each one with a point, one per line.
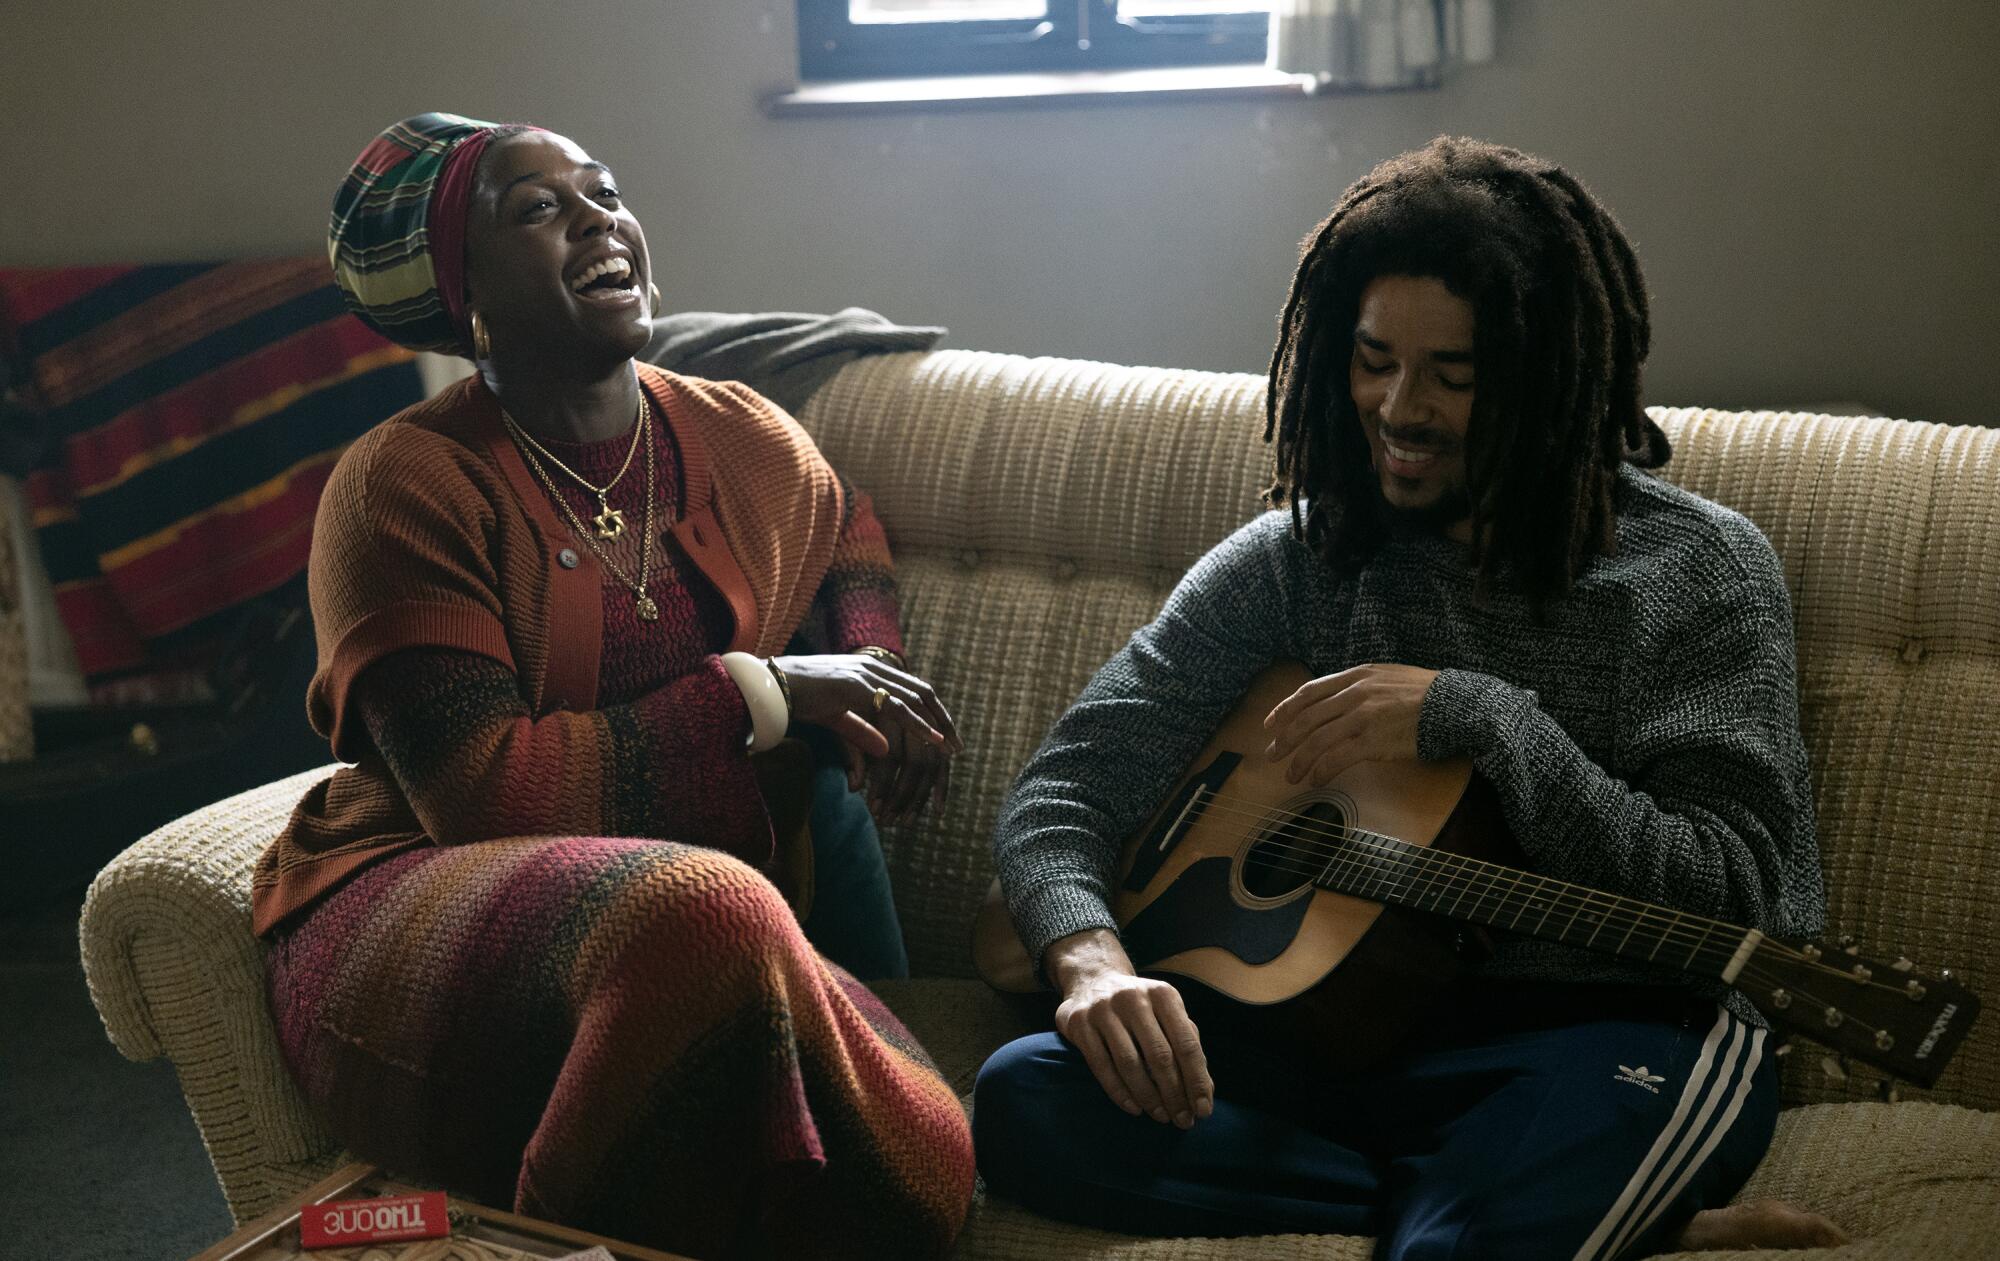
(1520, 1126)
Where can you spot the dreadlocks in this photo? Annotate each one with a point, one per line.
(1560, 333)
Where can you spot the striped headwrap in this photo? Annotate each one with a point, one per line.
(397, 237)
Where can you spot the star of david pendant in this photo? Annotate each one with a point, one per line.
(648, 611)
(610, 523)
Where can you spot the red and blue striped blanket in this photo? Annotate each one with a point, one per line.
(191, 415)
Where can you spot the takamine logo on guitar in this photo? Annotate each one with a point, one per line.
(1938, 1026)
(1334, 907)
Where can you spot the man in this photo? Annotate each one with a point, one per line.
(1473, 565)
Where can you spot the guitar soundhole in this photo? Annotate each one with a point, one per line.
(1289, 856)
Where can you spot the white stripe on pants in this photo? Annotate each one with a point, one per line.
(1708, 1086)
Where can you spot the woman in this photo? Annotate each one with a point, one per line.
(529, 944)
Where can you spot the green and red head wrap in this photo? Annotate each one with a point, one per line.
(397, 237)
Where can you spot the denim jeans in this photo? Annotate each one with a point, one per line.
(853, 918)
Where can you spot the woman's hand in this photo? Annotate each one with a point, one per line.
(898, 784)
(891, 720)
(1133, 1032)
(1366, 714)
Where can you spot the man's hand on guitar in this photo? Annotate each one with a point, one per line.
(1366, 714)
(1134, 1032)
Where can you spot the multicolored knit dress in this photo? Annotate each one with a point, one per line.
(527, 946)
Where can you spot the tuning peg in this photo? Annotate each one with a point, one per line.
(1902, 964)
(1886, 1089)
(1848, 944)
(1782, 1046)
(1944, 974)
(1834, 1067)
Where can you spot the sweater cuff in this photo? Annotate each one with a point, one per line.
(1466, 713)
(1053, 912)
(702, 714)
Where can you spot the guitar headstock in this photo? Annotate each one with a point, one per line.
(1905, 1022)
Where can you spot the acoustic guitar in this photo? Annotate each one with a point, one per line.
(1338, 913)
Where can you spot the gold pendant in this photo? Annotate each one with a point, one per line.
(648, 611)
(610, 523)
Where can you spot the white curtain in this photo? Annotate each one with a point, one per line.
(49, 674)
(1380, 43)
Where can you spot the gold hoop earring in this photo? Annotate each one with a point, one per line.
(482, 345)
(653, 295)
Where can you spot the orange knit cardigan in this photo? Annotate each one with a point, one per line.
(432, 532)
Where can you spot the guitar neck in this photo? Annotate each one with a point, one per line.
(1394, 872)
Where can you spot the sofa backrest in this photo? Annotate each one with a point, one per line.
(1889, 531)
(1041, 509)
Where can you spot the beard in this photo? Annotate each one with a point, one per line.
(1453, 505)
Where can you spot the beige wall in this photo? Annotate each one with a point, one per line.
(1812, 184)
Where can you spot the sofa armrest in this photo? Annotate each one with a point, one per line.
(175, 970)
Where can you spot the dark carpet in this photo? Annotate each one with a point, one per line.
(99, 1158)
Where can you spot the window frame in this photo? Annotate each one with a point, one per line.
(1076, 35)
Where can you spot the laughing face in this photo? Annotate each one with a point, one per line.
(1411, 378)
(555, 263)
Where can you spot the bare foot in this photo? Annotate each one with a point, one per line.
(1758, 1224)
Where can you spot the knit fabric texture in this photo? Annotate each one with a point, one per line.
(693, 619)
(463, 750)
(1643, 740)
(434, 534)
(453, 729)
(629, 1037)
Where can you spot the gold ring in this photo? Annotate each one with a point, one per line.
(881, 698)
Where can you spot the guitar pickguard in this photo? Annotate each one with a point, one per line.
(1198, 910)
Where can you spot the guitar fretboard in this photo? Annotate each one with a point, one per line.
(1382, 869)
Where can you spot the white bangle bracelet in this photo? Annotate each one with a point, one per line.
(769, 715)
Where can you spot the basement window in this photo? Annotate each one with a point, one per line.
(885, 39)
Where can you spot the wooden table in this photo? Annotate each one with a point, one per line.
(478, 1233)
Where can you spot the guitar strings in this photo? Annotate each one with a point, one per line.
(1353, 845)
(1346, 838)
(1684, 929)
(1460, 871)
(1613, 913)
(1753, 972)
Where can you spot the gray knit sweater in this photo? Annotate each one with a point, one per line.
(1643, 740)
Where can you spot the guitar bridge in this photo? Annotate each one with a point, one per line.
(1173, 821)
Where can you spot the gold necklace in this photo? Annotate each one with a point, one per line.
(648, 610)
(609, 521)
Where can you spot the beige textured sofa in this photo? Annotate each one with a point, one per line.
(1040, 510)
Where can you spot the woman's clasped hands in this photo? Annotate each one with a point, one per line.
(899, 737)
